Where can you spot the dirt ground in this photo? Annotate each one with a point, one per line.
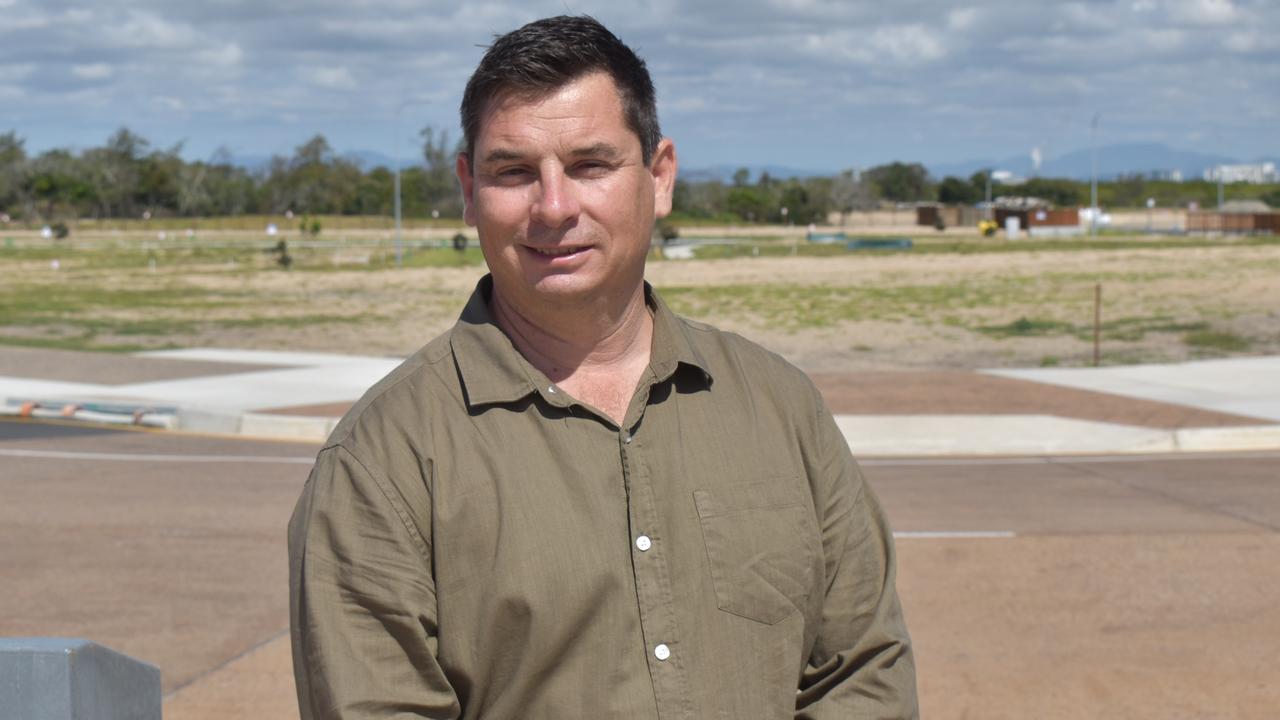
(826, 314)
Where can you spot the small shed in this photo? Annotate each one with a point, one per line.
(1243, 223)
(928, 214)
(1042, 222)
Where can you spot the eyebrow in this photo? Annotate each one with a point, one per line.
(600, 150)
(603, 150)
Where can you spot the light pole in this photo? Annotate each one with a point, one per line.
(989, 214)
(1093, 177)
(395, 151)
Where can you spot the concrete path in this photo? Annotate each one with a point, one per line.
(1243, 386)
(1200, 406)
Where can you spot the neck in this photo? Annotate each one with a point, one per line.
(571, 343)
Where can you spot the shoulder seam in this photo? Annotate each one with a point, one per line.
(392, 497)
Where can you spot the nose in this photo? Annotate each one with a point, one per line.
(557, 201)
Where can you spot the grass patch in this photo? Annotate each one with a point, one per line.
(795, 306)
(1217, 340)
(1026, 327)
(83, 342)
(1129, 329)
(766, 249)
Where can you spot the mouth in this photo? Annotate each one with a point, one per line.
(555, 252)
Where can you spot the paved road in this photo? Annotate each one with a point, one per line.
(1091, 587)
(167, 547)
(1035, 587)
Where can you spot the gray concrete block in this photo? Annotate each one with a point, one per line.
(72, 679)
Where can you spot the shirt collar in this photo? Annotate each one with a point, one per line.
(493, 371)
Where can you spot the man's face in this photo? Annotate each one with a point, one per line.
(559, 194)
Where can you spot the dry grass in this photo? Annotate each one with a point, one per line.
(945, 307)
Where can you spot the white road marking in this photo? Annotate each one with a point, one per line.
(958, 534)
(139, 457)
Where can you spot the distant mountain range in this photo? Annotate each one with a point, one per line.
(1113, 160)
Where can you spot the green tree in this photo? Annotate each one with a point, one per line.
(748, 203)
(1058, 191)
(954, 191)
(440, 184)
(901, 182)
(13, 168)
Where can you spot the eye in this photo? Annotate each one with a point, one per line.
(592, 168)
(512, 175)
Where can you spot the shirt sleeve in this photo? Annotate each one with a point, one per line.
(362, 599)
(861, 665)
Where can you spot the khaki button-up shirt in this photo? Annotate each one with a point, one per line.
(475, 543)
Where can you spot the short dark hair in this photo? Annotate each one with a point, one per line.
(548, 54)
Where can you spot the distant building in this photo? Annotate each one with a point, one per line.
(1249, 173)
(1174, 175)
(1041, 221)
(1245, 206)
(1006, 177)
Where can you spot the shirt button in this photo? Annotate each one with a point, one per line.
(662, 652)
(626, 440)
(551, 390)
(643, 543)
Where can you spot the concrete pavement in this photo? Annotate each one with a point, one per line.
(1231, 404)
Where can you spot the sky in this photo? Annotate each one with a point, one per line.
(813, 84)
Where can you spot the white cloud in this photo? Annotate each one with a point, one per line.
(13, 73)
(961, 19)
(228, 55)
(1205, 12)
(1250, 41)
(95, 71)
(170, 103)
(908, 44)
(334, 78)
(1165, 40)
(144, 30)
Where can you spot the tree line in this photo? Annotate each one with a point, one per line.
(127, 177)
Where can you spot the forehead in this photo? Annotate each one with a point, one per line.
(587, 104)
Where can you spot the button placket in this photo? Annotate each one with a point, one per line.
(653, 584)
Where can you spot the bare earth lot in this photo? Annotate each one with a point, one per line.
(830, 313)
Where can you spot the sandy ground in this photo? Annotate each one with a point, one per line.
(826, 314)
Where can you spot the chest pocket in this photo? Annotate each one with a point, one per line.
(762, 547)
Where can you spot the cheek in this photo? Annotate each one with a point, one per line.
(500, 206)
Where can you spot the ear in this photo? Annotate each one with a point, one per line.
(462, 167)
(663, 168)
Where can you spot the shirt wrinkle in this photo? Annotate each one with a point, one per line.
(393, 498)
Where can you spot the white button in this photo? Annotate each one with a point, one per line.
(662, 652)
(551, 390)
(627, 440)
(643, 543)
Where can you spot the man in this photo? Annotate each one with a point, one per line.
(575, 504)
